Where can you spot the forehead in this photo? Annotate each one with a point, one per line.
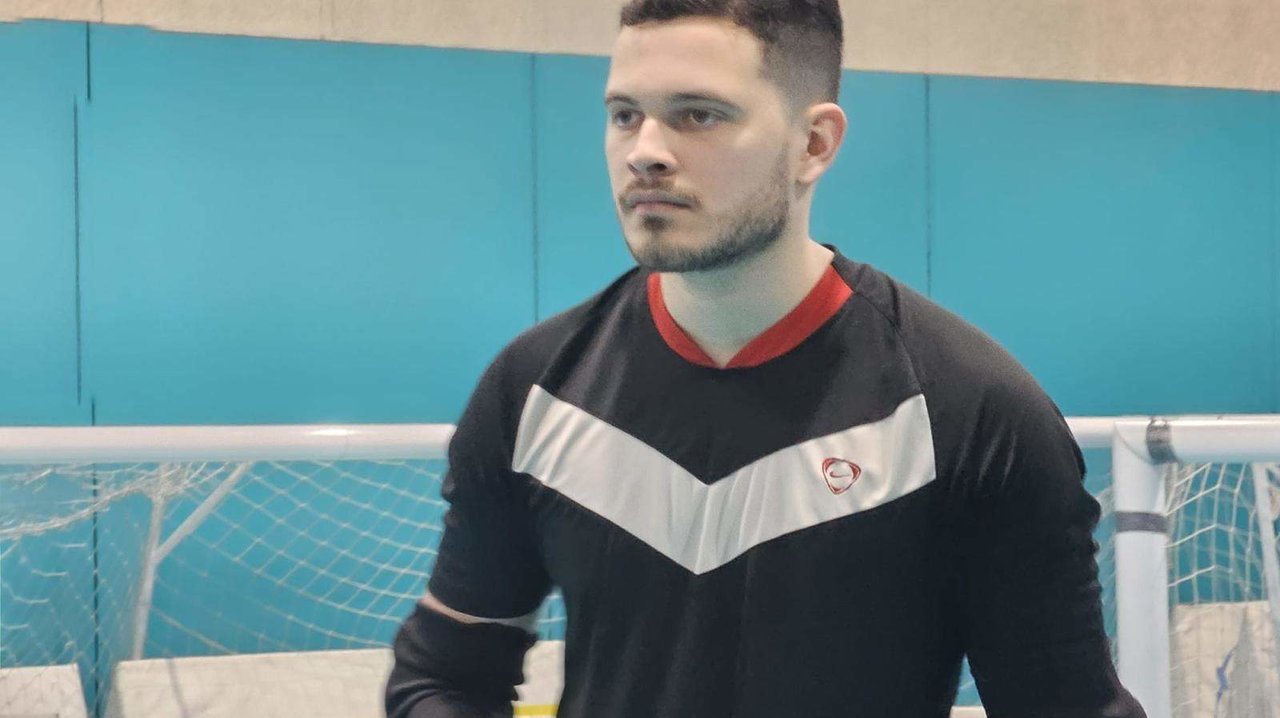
(660, 58)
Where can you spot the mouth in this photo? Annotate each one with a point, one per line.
(654, 202)
(651, 207)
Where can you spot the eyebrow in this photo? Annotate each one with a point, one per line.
(702, 97)
(613, 97)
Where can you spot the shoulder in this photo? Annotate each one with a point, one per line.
(978, 394)
(948, 354)
(488, 426)
(525, 360)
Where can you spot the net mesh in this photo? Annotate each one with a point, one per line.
(103, 563)
(1222, 631)
(1222, 623)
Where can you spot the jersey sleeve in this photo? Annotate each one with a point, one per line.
(1033, 627)
(488, 567)
(488, 564)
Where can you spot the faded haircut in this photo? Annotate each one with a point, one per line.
(802, 39)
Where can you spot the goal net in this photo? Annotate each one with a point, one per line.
(1222, 613)
(110, 565)
(1222, 546)
(1193, 552)
(156, 571)
(1215, 523)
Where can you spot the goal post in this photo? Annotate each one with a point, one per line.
(133, 546)
(1183, 488)
(1141, 589)
(122, 543)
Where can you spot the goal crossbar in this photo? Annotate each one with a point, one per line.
(1140, 446)
(141, 444)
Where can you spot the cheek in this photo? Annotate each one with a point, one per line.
(615, 158)
(732, 179)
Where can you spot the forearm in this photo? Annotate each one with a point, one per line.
(446, 669)
(1074, 680)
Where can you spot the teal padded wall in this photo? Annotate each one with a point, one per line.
(580, 248)
(257, 214)
(45, 615)
(1275, 248)
(873, 202)
(285, 231)
(42, 85)
(1117, 239)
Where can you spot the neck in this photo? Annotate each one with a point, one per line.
(724, 309)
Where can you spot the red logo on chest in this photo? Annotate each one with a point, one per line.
(840, 474)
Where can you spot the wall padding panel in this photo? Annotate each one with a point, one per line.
(287, 231)
(1275, 246)
(1115, 238)
(871, 203)
(580, 245)
(41, 84)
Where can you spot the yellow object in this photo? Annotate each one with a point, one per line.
(536, 711)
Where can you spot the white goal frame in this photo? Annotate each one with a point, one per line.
(1140, 446)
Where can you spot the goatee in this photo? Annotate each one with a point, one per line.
(745, 235)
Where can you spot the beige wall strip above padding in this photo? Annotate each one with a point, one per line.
(1198, 43)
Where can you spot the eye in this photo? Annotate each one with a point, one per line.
(699, 118)
(623, 118)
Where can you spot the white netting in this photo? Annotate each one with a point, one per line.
(298, 556)
(216, 558)
(1222, 644)
(1223, 647)
(1223, 641)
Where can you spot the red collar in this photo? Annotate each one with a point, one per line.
(822, 302)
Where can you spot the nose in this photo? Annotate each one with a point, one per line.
(651, 158)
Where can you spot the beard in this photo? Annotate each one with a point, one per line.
(747, 231)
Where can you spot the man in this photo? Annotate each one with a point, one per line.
(770, 481)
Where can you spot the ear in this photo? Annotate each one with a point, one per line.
(824, 125)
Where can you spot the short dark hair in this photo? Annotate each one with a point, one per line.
(803, 39)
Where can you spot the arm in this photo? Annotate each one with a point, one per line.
(1030, 595)
(449, 669)
(460, 654)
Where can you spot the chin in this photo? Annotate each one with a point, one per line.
(663, 252)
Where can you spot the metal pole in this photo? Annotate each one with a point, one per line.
(150, 562)
(1267, 534)
(1142, 595)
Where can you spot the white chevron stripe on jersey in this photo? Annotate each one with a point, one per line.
(703, 527)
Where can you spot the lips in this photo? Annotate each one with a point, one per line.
(656, 206)
(654, 200)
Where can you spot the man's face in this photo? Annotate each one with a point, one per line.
(698, 143)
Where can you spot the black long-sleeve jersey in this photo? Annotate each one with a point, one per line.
(869, 491)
